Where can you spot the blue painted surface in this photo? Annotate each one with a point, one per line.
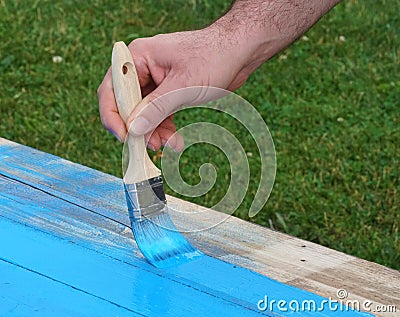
(32, 294)
(70, 251)
(105, 278)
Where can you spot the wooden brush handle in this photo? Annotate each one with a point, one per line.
(128, 96)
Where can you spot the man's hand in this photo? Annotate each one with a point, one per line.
(222, 55)
(165, 63)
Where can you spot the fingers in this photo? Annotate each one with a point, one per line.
(141, 52)
(109, 115)
(165, 135)
(175, 142)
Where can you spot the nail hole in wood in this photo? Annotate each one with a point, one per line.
(124, 69)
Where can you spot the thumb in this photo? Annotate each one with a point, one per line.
(155, 108)
(164, 101)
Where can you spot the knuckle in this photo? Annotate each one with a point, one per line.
(138, 44)
(158, 105)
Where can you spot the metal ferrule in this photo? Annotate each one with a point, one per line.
(145, 199)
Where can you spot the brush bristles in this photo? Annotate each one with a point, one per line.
(156, 236)
(161, 244)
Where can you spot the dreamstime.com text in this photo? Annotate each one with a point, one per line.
(329, 304)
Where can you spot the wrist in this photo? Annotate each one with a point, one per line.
(247, 44)
(254, 31)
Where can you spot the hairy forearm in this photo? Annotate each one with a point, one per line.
(260, 29)
(289, 18)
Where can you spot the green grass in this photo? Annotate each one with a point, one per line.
(332, 107)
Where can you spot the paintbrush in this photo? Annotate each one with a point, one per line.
(156, 236)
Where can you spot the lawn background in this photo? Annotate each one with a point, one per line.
(331, 102)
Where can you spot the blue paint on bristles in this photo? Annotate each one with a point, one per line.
(155, 234)
(162, 247)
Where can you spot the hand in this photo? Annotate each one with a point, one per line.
(164, 64)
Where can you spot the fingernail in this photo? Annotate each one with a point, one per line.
(140, 126)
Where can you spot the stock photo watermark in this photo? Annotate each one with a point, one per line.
(339, 304)
(217, 102)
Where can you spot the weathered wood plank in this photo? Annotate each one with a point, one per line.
(276, 255)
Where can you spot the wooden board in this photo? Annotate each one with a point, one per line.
(66, 248)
